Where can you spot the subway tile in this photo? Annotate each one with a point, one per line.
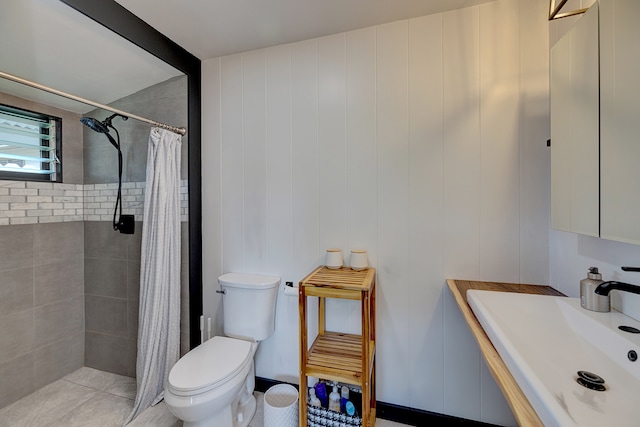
(58, 359)
(57, 281)
(16, 291)
(16, 246)
(57, 242)
(17, 379)
(106, 315)
(17, 335)
(105, 277)
(107, 353)
(57, 320)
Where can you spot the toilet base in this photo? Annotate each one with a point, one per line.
(243, 417)
(246, 412)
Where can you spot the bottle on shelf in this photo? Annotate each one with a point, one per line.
(344, 398)
(334, 400)
(313, 399)
(321, 393)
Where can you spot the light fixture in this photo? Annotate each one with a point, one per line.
(554, 10)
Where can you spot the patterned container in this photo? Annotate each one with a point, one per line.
(281, 406)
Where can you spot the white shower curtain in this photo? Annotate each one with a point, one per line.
(159, 312)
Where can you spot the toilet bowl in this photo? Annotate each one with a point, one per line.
(212, 385)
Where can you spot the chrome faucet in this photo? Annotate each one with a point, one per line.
(606, 287)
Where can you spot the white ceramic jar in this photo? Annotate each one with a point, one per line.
(358, 259)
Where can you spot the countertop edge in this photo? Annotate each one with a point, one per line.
(520, 406)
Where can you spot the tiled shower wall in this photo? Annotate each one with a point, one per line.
(41, 271)
(112, 260)
(68, 287)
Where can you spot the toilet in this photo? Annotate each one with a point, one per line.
(212, 385)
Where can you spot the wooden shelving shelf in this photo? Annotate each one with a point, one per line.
(337, 356)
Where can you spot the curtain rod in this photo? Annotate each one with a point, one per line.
(16, 79)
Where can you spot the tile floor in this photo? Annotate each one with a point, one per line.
(88, 397)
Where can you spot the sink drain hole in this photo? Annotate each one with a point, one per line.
(591, 381)
(629, 329)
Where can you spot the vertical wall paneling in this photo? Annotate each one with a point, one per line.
(362, 190)
(393, 207)
(211, 226)
(304, 131)
(279, 165)
(280, 212)
(232, 197)
(304, 159)
(426, 305)
(421, 141)
(534, 132)
(499, 138)
(255, 165)
(332, 167)
(462, 186)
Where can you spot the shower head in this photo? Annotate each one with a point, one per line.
(95, 124)
(100, 126)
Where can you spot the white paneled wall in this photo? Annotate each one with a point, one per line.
(422, 141)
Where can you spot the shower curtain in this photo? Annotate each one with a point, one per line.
(159, 311)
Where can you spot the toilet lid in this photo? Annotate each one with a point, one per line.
(211, 363)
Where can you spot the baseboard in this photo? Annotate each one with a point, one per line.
(396, 413)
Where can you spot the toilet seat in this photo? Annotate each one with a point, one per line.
(209, 365)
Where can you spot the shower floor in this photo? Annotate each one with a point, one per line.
(88, 397)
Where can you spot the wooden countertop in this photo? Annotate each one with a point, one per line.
(522, 410)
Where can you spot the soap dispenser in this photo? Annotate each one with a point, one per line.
(589, 300)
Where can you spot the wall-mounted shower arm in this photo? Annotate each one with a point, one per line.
(26, 82)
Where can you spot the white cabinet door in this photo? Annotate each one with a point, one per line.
(575, 128)
(620, 120)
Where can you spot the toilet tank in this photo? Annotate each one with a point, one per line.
(249, 305)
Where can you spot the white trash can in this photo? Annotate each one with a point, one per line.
(281, 406)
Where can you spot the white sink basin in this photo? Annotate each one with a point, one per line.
(545, 341)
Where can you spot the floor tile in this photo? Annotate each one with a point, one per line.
(45, 405)
(97, 379)
(103, 409)
(156, 416)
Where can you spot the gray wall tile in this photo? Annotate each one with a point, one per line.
(105, 277)
(58, 281)
(100, 161)
(133, 280)
(106, 315)
(103, 242)
(58, 320)
(20, 337)
(16, 246)
(16, 291)
(107, 353)
(58, 241)
(58, 359)
(134, 248)
(17, 379)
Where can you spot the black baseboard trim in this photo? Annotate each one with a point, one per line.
(396, 413)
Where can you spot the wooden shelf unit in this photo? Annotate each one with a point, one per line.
(337, 356)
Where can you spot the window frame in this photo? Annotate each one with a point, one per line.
(36, 177)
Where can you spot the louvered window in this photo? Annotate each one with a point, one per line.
(29, 145)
